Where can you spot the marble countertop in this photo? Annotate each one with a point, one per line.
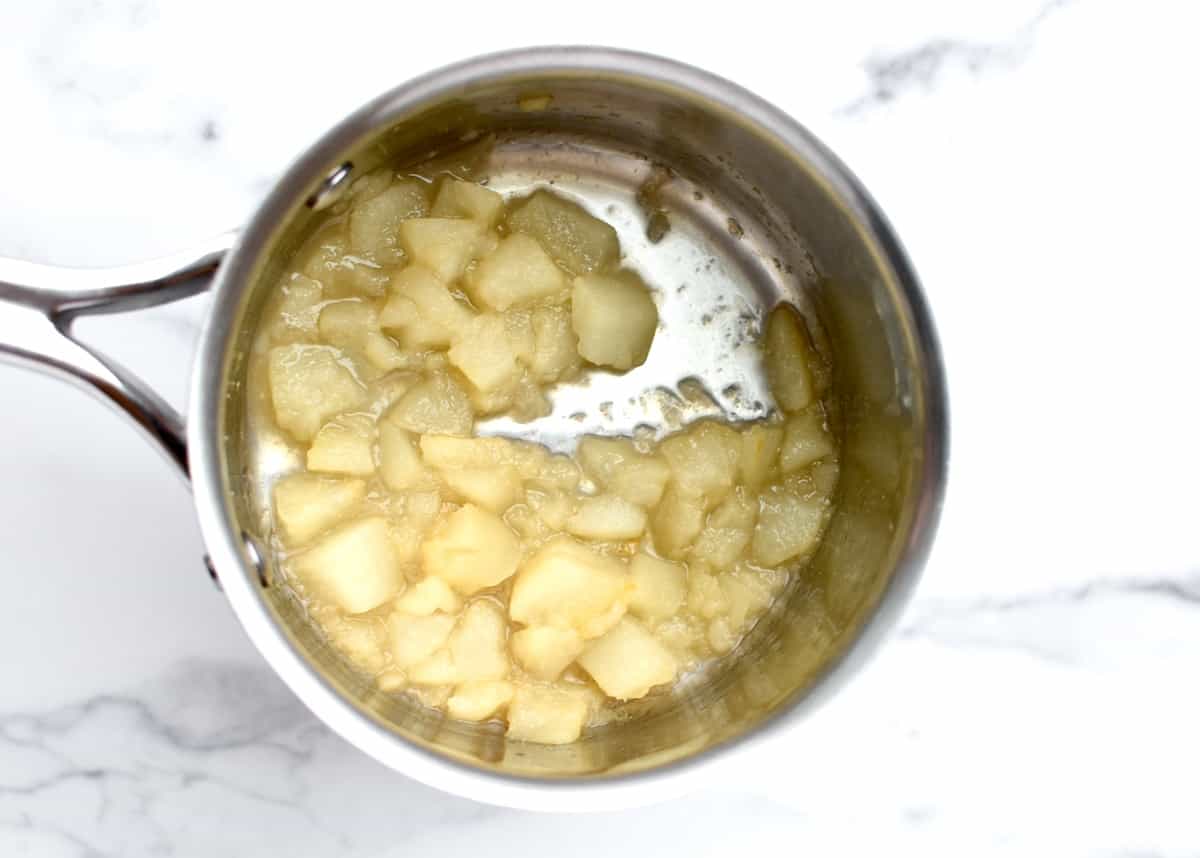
(1040, 696)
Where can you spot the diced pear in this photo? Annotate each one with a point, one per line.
(544, 652)
(568, 585)
(677, 521)
(721, 635)
(306, 505)
(659, 586)
(704, 459)
(471, 549)
(437, 670)
(787, 354)
(438, 404)
(355, 566)
(517, 272)
(385, 391)
(788, 526)
(748, 592)
(448, 451)
(553, 506)
(479, 700)
(428, 596)
(310, 384)
(550, 716)
(627, 661)
(415, 638)
(456, 198)
(299, 307)
(614, 318)
(422, 506)
(375, 223)
(618, 467)
(344, 446)
(555, 346)
(805, 441)
(421, 311)
(825, 477)
(400, 464)
(579, 242)
(477, 644)
(495, 489)
(484, 354)
(518, 328)
(361, 640)
(760, 449)
(728, 531)
(443, 245)
(705, 597)
(344, 324)
(382, 353)
(607, 517)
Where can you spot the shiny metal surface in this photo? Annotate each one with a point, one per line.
(796, 225)
(38, 304)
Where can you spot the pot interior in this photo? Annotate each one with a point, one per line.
(774, 218)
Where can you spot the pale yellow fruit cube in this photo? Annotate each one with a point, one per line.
(544, 652)
(728, 531)
(415, 638)
(428, 596)
(567, 584)
(704, 459)
(788, 526)
(298, 308)
(579, 242)
(479, 700)
(307, 505)
(438, 405)
(760, 453)
(309, 384)
(471, 549)
(607, 517)
(344, 324)
(517, 272)
(787, 354)
(477, 644)
(355, 566)
(705, 597)
(443, 245)
(618, 467)
(555, 346)
(449, 452)
(614, 318)
(421, 311)
(456, 198)
(628, 661)
(344, 446)
(677, 521)
(400, 464)
(484, 354)
(437, 670)
(806, 440)
(374, 229)
(494, 489)
(825, 477)
(748, 593)
(553, 506)
(518, 328)
(422, 507)
(659, 586)
(383, 354)
(363, 641)
(550, 716)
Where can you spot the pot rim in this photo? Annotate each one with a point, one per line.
(228, 551)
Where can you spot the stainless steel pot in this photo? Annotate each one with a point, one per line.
(775, 203)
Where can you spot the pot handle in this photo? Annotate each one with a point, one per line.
(39, 303)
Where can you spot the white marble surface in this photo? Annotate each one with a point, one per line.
(1041, 695)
